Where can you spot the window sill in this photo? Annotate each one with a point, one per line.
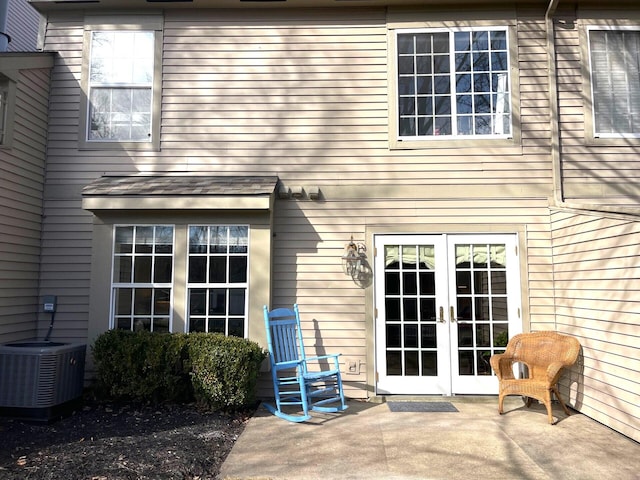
(456, 144)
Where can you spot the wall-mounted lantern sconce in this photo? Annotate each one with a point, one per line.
(352, 260)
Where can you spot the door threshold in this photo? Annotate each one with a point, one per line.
(433, 398)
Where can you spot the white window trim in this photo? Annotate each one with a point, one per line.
(452, 74)
(207, 285)
(8, 111)
(122, 23)
(592, 130)
(152, 285)
(508, 144)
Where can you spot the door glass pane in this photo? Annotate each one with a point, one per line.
(465, 362)
(394, 363)
(411, 365)
(410, 309)
(409, 283)
(394, 339)
(429, 364)
(481, 300)
(428, 336)
(411, 336)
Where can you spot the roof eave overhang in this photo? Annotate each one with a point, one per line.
(86, 5)
(181, 202)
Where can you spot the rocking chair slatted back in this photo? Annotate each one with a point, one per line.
(293, 384)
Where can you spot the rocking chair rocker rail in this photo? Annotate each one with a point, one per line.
(294, 384)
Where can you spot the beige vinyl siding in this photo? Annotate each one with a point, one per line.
(21, 192)
(594, 171)
(303, 94)
(596, 269)
(23, 22)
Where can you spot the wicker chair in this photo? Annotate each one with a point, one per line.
(545, 354)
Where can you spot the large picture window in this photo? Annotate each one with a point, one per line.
(121, 73)
(615, 82)
(142, 277)
(453, 84)
(218, 279)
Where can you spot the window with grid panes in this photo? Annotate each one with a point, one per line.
(218, 279)
(615, 82)
(142, 277)
(453, 84)
(121, 69)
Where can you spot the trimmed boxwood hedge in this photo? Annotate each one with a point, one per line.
(215, 371)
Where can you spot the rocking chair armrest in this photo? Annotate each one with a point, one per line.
(289, 364)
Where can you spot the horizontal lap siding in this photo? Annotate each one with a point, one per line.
(597, 274)
(22, 26)
(603, 173)
(21, 193)
(66, 253)
(303, 94)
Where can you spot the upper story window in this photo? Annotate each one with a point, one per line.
(453, 84)
(121, 75)
(120, 86)
(615, 82)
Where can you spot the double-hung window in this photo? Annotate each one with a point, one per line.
(120, 86)
(142, 277)
(218, 279)
(121, 77)
(453, 84)
(615, 82)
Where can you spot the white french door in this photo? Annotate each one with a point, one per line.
(444, 305)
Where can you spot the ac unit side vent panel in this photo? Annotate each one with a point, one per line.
(36, 376)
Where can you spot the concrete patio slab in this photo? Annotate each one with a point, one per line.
(368, 441)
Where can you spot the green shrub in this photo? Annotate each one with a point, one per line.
(217, 371)
(224, 370)
(142, 366)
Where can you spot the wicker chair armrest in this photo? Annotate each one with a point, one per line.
(554, 370)
(502, 365)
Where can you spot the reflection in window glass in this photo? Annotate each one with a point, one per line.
(218, 279)
(142, 277)
(121, 69)
(432, 102)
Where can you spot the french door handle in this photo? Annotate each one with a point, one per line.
(452, 316)
(441, 319)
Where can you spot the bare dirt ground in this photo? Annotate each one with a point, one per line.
(106, 441)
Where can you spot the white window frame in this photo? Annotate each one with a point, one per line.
(7, 97)
(132, 284)
(594, 128)
(124, 24)
(452, 73)
(226, 286)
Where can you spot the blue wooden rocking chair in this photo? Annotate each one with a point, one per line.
(294, 384)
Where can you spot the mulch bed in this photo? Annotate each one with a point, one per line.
(106, 441)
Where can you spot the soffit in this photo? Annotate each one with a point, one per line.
(155, 192)
(49, 5)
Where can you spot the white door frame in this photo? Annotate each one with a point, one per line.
(448, 381)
